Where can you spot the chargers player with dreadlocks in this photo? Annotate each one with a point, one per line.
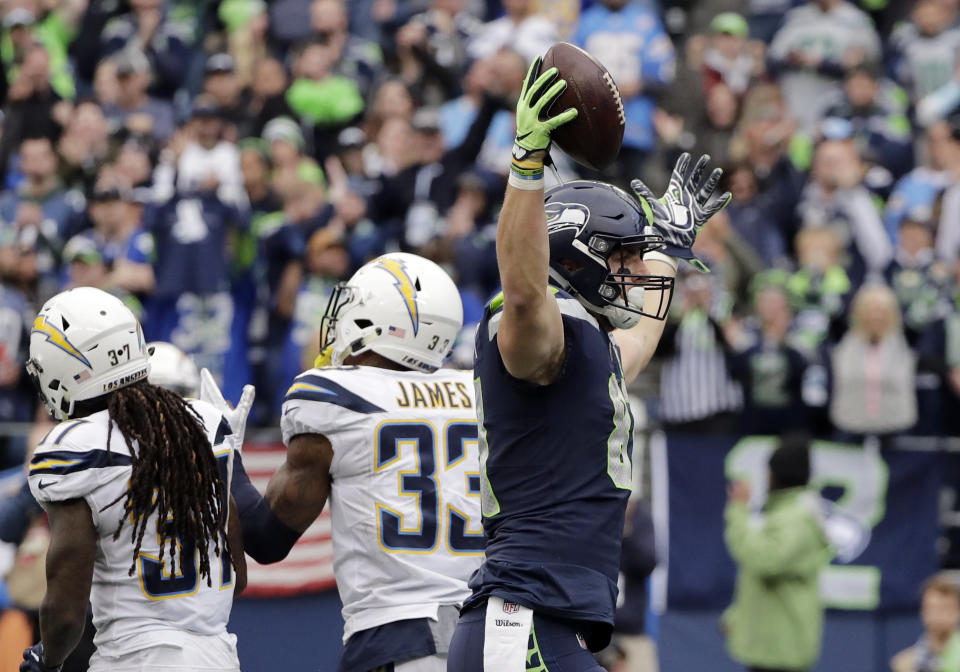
(587, 273)
(134, 483)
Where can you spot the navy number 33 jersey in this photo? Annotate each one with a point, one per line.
(557, 474)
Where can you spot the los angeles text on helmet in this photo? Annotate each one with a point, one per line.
(123, 381)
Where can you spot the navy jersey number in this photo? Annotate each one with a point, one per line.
(398, 535)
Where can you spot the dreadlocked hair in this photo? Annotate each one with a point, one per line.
(174, 473)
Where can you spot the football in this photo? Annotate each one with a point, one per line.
(593, 139)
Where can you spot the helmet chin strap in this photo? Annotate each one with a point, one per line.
(620, 317)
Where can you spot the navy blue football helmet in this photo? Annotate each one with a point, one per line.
(588, 224)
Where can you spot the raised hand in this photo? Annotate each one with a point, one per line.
(686, 206)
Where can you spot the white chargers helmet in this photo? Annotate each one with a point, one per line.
(172, 368)
(84, 343)
(400, 306)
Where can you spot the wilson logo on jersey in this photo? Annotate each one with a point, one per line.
(58, 338)
(405, 286)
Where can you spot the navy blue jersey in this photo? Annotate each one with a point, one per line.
(191, 244)
(557, 475)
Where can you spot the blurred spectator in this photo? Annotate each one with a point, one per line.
(776, 620)
(266, 100)
(320, 98)
(285, 143)
(325, 263)
(117, 244)
(191, 305)
(391, 99)
(726, 55)
(638, 558)
(83, 146)
(731, 257)
(500, 77)
(354, 58)
(22, 31)
(769, 369)
(413, 200)
(836, 197)
(917, 281)
(521, 29)
(40, 187)
(246, 23)
(33, 108)
(749, 220)
(939, 646)
(873, 370)
(134, 109)
(697, 393)
(351, 143)
(282, 250)
(876, 110)
(147, 29)
(761, 140)
(468, 238)
(630, 41)
(227, 92)
(923, 53)
(817, 42)
(939, 353)
(923, 186)
(820, 290)
(207, 161)
(947, 242)
(432, 50)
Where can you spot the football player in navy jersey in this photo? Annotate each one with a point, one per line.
(587, 273)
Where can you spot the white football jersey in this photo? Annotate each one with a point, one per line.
(151, 607)
(405, 491)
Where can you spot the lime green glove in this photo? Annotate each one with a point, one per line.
(533, 133)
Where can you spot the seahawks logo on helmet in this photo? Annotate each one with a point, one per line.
(566, 215)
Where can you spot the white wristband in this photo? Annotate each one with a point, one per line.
(526, 184)
(660, 256)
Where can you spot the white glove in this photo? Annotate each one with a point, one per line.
(237, 417)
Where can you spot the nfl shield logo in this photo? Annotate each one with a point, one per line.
(510, 607)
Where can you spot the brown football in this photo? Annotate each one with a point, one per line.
(594, 137)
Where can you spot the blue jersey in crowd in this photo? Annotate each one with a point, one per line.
(633, 46)
(192, 306)
(557, 470)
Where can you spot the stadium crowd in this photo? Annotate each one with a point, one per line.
(221, 164)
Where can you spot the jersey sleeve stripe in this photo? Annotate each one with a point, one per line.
(67, 461)
(311, 387)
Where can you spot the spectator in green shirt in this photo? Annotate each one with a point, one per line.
(776, 620)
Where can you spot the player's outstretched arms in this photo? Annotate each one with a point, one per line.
(530, 337)
(298, 491)
(678, 215)
(70, 560)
